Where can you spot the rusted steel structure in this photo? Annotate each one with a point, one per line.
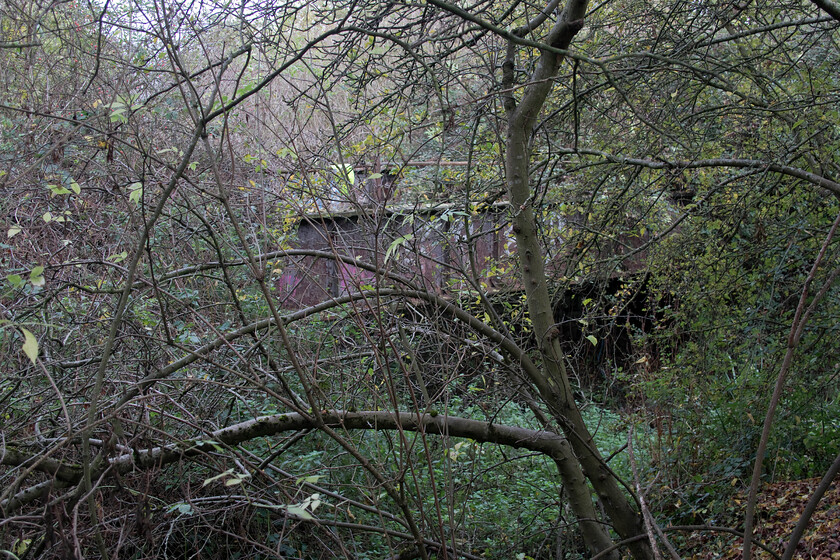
(439, 247)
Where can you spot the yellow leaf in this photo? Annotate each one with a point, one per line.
(30, 345)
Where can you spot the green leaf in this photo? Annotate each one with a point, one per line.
(74, 186)
(117, 113)
(57, 190)
(182, 508)
(20, 547)
(310, 479)
(36, 276)
(238, 479)
(298, 511)
(14, 230)
(30, 345)
(136, 192)
(119, 257)
(592, 339)
(217, 477)
(396, 243)
(15, 280)
(286, 152)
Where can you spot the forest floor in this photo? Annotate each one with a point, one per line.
(779, 507)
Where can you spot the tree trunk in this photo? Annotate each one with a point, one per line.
(553, 385)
